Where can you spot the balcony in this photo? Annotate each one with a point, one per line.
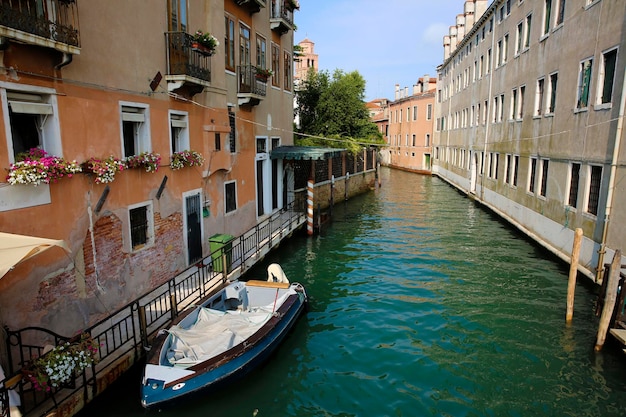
(281, 16)
(189, 69)
(252, 6)
(50, 24)
(252, 87)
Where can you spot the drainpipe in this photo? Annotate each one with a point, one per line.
(67, 58)
(611, 189)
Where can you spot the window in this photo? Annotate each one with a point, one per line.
(275, 65)
(141, 223)
(218, 141)
(287, 73)
(499, 53)
(244, 45)
(30, 114)
(501, 110)
(552, 92)
(495, 109)
(261, 52)
(584, 81)
(514, 104)
(515, 169)
(539, 97)
(532, 173)
(414, 112)
(427, 140)
(179, 133)
(429, 112)
(488, 67)
(230, 196)
(408, 114)
(607, 75)
(508, 168)
(135, 128)
(547, 11)
(413, 140)
(574, 175)
(496, 160)
(505, 48)
(177, 15)
(233, 131)
(527, 33)
(519, 41)
(520, 107)
(543, 177)
(594, 189)
(229, 44)
(560, 12)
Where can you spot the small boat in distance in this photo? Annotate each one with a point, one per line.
(227, 335)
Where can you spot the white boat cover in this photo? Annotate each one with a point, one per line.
(215, 332)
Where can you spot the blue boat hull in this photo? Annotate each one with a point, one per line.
(155, 394)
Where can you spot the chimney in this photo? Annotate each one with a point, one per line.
(425, 83)
(397, 95)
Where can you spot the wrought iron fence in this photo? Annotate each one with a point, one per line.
(53, 19)
(250, 81)
(123, 336)
(183, 59)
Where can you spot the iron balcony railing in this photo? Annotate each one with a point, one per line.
(51, 19)
(184, 59)
(124, 334)
(282, 9)
(250, 81)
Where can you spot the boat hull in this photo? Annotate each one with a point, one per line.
(207, 376)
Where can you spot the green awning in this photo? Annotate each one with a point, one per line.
(305, 153)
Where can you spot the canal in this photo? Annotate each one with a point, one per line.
(422, 303)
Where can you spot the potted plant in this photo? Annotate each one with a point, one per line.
(60, 365)
(148, 160)
(263, 73)
(186, 159)
(204, 43)
(104, 169)
(36, 167)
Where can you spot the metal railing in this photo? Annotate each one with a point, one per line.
(53, 19)
(123, 336)
(184, 59)
(250, 82)
(282, 9)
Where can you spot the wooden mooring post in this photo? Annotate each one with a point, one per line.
(573, 272)
(609, 299)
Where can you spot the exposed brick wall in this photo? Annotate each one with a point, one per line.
(127, 275)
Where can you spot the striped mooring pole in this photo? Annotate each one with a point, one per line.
(309, 207)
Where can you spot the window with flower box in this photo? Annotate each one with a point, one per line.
(179, 131)
(29, 119)
(134, 128)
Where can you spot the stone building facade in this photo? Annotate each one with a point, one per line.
(530, 113)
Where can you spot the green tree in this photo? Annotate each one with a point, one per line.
(332, 111)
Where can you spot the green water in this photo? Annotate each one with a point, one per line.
(421, 304)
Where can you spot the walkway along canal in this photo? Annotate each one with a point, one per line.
(421, 304)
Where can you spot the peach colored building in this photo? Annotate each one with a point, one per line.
(410, 127)
(308, 60)
(90, 80)
(378, 110)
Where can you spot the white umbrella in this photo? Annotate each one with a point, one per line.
(17, 248)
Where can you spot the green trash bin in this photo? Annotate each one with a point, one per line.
(220, 243)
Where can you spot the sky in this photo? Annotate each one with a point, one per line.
(388, 42)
